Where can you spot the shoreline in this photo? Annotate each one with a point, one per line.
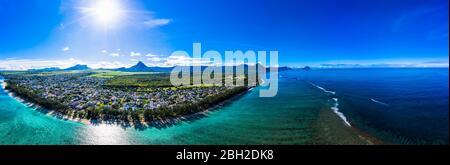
(371, 140)
(141, 124)
(40, 109)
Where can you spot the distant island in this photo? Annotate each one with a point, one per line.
(138, 94)
(283, 68)
(141, 67)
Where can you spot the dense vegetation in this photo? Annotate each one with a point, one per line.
(33, 96)
(112, 74)
(140, 80)
(162, 112)
(113, 114)
(189, 107)
(134, 81)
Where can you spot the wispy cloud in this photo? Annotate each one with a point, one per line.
(412, 15)
(65, 49)
(114, 54)
(152, 23)
(156, 59)
(180, 60)
(135, 54)
(151, 55)
(24, 64)
(106, 65)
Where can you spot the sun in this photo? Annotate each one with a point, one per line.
(106, 12)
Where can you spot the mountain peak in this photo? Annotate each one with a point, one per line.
(139, 67)
(140, 63)
(78, 67)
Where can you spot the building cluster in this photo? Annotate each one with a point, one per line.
(83, 92)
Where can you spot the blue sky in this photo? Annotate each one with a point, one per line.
(41, 33)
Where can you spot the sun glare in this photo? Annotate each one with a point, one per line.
(106, 12)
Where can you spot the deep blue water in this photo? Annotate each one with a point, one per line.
(407, 106)
(400, 106)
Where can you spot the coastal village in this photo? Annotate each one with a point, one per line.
(88, 92)
(84, 95)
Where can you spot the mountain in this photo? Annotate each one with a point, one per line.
(139, 67)
(45, 69)
(78, 67)
(283, 68)
(161, 69)
(246, 67)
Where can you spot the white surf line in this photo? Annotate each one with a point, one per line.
(3, 83)
(379, 102)
(335, 109)
(323, 89)
(11, 94)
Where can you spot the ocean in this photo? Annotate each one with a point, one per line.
(319, 106)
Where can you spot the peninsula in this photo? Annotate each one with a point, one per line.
(109, 95)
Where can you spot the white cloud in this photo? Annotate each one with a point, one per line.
(185, 60)
(155, 59)
(104, 51)
(24, 64)
(151, 55)
(152, 23)
(135, 54)
(106, 65)
(65, 49)
(114, 54)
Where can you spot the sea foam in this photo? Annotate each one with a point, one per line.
(335, 106)
(379, 102)
(323, 89)
(335, 109)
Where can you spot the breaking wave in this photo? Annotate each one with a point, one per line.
(379, 102)
(323, 89)
(335, 106)
(335, 109)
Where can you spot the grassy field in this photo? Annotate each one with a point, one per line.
(140, 80)
(112, 74)
(13, 72)
(54, 73)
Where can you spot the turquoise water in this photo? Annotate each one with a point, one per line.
(301, 113)
(247, 120)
